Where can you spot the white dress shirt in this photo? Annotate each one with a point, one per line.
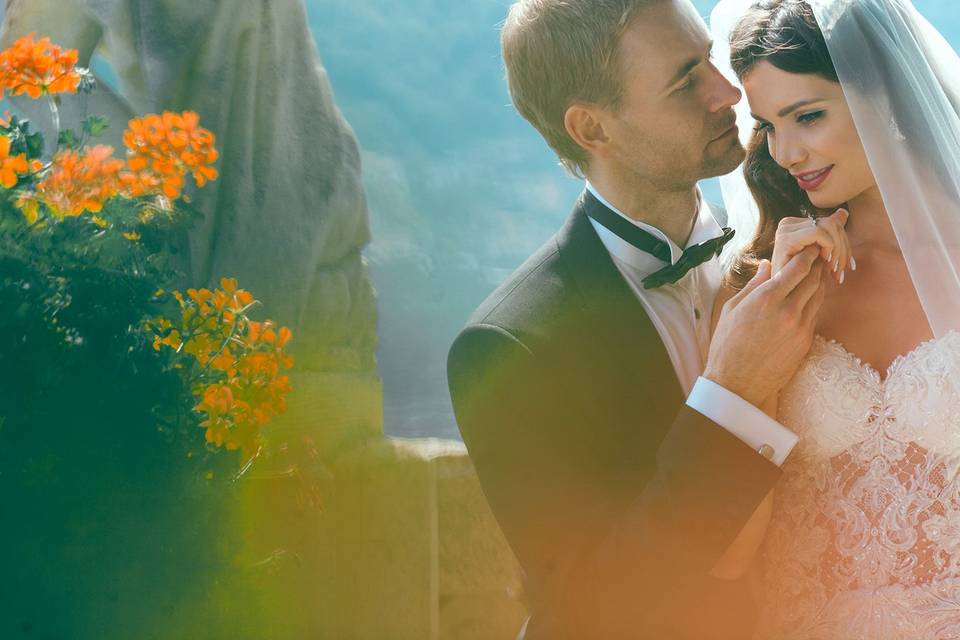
(681, 313)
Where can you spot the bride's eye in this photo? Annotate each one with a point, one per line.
(807, 118)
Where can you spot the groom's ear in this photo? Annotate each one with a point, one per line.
(584, 124)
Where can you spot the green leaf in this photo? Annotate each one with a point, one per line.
(34, 145)
(95, 125)
(68, 139)
(22, 140)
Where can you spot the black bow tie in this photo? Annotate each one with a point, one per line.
(648, 243)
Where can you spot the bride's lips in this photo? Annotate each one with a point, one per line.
(812, 179)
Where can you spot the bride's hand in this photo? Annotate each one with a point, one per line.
(794, 234)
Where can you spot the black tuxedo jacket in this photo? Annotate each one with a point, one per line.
(616, 497)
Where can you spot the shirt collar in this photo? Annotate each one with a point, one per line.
(705, 228)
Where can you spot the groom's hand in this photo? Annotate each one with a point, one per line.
(765, 330)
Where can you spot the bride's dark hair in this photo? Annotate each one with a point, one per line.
(785, 34)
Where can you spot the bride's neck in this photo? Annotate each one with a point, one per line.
(869, 225)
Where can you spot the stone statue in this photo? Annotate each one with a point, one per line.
(288, 215)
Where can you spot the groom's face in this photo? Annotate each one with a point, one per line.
(676, 122)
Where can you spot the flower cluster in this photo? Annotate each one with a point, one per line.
(38, 67)
(79, 181)
(163, 149)
(234, 367)
(239, 363)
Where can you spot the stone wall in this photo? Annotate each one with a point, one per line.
(402, 546)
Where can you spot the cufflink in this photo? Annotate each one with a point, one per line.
(767, 451)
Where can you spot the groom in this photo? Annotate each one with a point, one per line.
(623, 454)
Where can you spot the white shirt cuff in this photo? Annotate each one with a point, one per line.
(745, 421)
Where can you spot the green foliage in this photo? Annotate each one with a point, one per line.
(95, 126)
(22, 140)
(103, 468)
(68, 139)
(116, 512)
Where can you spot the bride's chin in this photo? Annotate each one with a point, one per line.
(826, 202)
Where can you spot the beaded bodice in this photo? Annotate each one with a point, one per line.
(864, 541)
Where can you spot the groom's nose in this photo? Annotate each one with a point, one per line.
(724, 94)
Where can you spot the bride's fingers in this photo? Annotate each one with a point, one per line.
(830, 228)
(789, 241)
(821, 236)
(793, 239)
(848, 253)
(838, 223)
(834, 226)
(851, 262)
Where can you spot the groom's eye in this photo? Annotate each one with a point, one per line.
(687, 84)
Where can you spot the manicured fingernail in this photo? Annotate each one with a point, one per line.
(853, 263)
(836, 265)
(842, 274)
(830, 257)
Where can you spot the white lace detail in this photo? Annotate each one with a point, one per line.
(865, 536)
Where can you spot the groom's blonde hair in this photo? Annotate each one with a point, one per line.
(560, 52)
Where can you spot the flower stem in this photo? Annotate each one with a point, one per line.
(55, 114)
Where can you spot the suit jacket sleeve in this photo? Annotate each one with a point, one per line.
(602, 564)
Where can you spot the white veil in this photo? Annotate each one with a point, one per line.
(743, 215)
(901, 80)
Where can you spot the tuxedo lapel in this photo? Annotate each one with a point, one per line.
(630, 358)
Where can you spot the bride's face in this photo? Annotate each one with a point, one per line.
(810, 133)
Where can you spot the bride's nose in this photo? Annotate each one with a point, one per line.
(785, 150)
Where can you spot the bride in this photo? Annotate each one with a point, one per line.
(855, 147)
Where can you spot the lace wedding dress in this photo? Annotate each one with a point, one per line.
(865, 536)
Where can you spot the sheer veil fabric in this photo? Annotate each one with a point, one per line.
(899, 77)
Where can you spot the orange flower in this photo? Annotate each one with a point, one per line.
(162, 149)
(242, 385)
(80, 182)
(38, 67)
(29, 206)
(10, 167)
(217, 400)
